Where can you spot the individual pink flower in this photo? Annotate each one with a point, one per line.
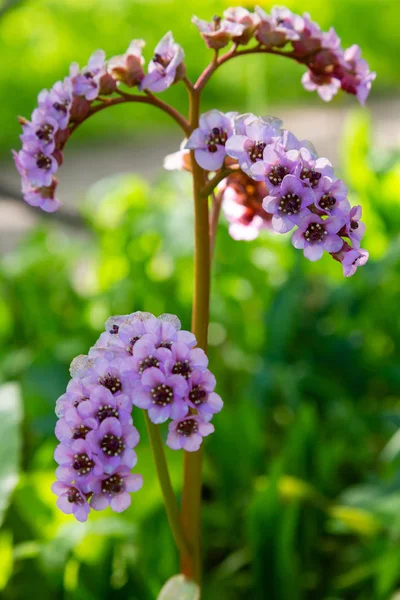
(355, 229)
(182, 360)
(357, 78)
(161, 395)
(352, 260)
(208, 141)
(219, 32)
(57, 102)
(188, 433)
(109, 374)
(276, 164)
(166, 66)
(128, 68)
(249, 147)
(326, 86)
(76, 393)
(315, 235)
(78, 463)
(86, 82)
(312, 169)
(276, 29)
(41, 130)
(38, 165)
(201, 395)
(73, 427)
(288, 203)
(103, 404)
(71, 500)
(115, 489)
(331, 197)
(244, 17)
(113, 443)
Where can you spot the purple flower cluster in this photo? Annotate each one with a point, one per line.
(70, 101)
(329, 66)
(300, 189)
(141, 361)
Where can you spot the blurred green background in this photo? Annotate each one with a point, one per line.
(302, 486)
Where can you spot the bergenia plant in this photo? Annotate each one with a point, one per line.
(261, 176)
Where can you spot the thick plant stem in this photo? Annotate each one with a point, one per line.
(171, 505)
(191, 495)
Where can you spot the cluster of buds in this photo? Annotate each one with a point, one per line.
(329, 66)
(278, 182)
(141, 361)
(71, 101)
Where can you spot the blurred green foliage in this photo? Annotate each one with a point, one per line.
(302, 488)
(40, 38)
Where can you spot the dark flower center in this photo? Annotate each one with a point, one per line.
(162, 395)
(256, 151)
(105, 411)
(149, 361)
(353, 225)
(312, 175)
(113, 485)
(197, 395)
(163, 61)
(166, 345)
(79, 400)
(111, 383)
(182, 367)
(327, 201)
(216, 22)
(43, 161)
(82, 464)
(187, 427)
(290, 204)
(74, 497)
(80, 432)
(61, 106)
(217, 136)
(315, 233)
(114, 329)
(112, 445)
(132, 342)
(277, 173)
(88, 75)
(45, 132)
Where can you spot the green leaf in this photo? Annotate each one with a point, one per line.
(179, 588)
(10, 442)
(6, 558)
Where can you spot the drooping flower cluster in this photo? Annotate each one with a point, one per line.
(71, 101)
(329, 66)
(141, 361)
(279, 182)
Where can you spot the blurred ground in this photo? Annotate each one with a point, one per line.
(143, 155)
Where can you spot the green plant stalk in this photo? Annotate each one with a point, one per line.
(171, 505)
(191, 494)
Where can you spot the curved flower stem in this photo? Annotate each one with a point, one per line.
(233, 53)
(191, 494)
(148, 98)
(171, 505)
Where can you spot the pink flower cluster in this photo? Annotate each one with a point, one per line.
(329, 66)
(141, 361)
(71, 101)
(282, 184)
